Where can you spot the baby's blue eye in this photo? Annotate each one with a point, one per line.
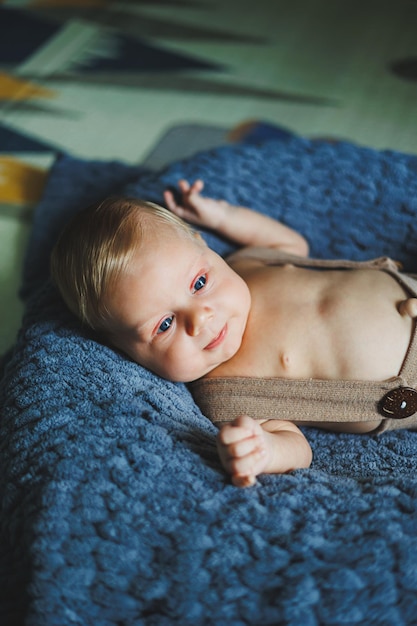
(165, 325)
(200, 282)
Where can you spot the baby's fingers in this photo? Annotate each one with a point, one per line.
(244, 481)
(239, 449)
(169, 200)
(236, 440)
(245, 469)
(242, 450)
(185, 187)
(177, 209)
(241, 426)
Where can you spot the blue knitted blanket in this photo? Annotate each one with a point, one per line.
(115, 509)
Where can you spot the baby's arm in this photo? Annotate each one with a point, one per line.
(240, 224)
(248, 448)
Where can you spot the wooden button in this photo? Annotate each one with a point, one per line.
(399, 403)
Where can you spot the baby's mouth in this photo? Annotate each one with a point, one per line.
(217, 339)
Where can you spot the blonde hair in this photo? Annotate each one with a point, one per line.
(96, 247)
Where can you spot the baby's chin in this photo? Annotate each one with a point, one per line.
(213, 368)
(191, 376)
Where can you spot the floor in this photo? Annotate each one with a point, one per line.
(109, 80)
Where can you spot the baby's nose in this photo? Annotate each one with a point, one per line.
(197, 319)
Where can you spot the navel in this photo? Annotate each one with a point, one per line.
(285, 361)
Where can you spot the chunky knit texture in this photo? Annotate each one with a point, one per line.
(115, 509)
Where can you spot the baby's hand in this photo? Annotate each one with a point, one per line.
(195, 208)
(243, 450)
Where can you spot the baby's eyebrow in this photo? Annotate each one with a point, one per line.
(134, 329)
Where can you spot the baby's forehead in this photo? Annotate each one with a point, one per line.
(157, 233)
(158, 219)
(157, 250)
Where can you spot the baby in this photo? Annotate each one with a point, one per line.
(142, 277)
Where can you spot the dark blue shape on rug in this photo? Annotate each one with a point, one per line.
(21, 34)
(13, 141)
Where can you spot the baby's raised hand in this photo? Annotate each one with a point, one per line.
(195, 208)
(243, 451)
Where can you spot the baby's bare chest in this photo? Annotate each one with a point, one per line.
(323, 324)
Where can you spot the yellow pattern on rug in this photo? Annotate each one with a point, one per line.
(20, 182)
(12, 88)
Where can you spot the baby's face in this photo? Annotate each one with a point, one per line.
(179, 309)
